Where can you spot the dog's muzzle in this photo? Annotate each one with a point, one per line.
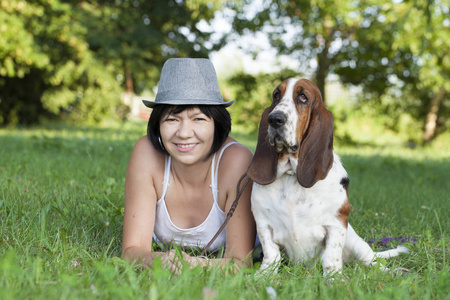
(277, 134)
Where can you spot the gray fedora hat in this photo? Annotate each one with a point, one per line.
(188, 81)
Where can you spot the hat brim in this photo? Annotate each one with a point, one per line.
(152, 104)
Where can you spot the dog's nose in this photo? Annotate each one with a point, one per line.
(294, 148)
(276, 120)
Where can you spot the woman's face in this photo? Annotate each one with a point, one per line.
(187, 136)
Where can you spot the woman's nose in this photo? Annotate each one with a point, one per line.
(185, 130)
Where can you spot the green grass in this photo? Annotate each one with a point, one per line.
(61, 208)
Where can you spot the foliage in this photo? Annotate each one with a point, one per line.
(396, 50)
(74, 59)
(253, 93)
(46, 66)
(304, 30)
(61, 210)
(402, 48)
(136, 37)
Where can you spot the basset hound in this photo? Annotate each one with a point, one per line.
(300, 188)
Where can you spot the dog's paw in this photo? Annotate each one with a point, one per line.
(265, 271)
(334, 276)
(331, 280)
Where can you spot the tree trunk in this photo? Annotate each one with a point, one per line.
(323, 66)
(128, 81)
(429, 131)
(129, 90)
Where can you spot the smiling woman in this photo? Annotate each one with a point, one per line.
(203, 115)
(181, 178)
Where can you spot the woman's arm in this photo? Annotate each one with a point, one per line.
(140, 204)
(241, 229)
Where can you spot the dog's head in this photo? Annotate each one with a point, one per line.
(298, 124)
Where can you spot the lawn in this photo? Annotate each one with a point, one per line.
(61, 209)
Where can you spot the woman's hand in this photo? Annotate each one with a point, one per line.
(174, 263)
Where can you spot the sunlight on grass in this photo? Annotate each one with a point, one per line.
(61, 210)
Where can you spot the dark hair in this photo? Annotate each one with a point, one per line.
(221, 117)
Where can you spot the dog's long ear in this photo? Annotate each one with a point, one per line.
(263, 169)
(316, 150)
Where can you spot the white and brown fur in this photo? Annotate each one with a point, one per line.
(300, 190)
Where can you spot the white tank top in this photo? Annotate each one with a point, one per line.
(166, 232)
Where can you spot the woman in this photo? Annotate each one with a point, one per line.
(181, 178)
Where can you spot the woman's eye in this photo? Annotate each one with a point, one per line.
(302, 98)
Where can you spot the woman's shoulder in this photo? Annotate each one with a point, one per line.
(145, 154)
(233, 146)
(144, 145)
(236, 156)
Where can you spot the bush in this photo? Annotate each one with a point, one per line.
(253, 93)
(47, 69)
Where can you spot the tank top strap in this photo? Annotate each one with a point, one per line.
(215, 171)
(213, 185)
(167, 162)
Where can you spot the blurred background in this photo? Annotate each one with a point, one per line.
(382, 65)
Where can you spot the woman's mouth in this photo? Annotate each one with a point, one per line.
(185, 147)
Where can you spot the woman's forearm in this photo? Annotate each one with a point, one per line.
(172, 262)
(141, 256)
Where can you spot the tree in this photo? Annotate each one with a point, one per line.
(136, 37)
(46, 67)
(396, 50)
(429, 22)
(305, 30)
(74, 58)
(403, 52)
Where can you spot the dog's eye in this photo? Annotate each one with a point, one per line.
(301, 98)
(276, 96)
